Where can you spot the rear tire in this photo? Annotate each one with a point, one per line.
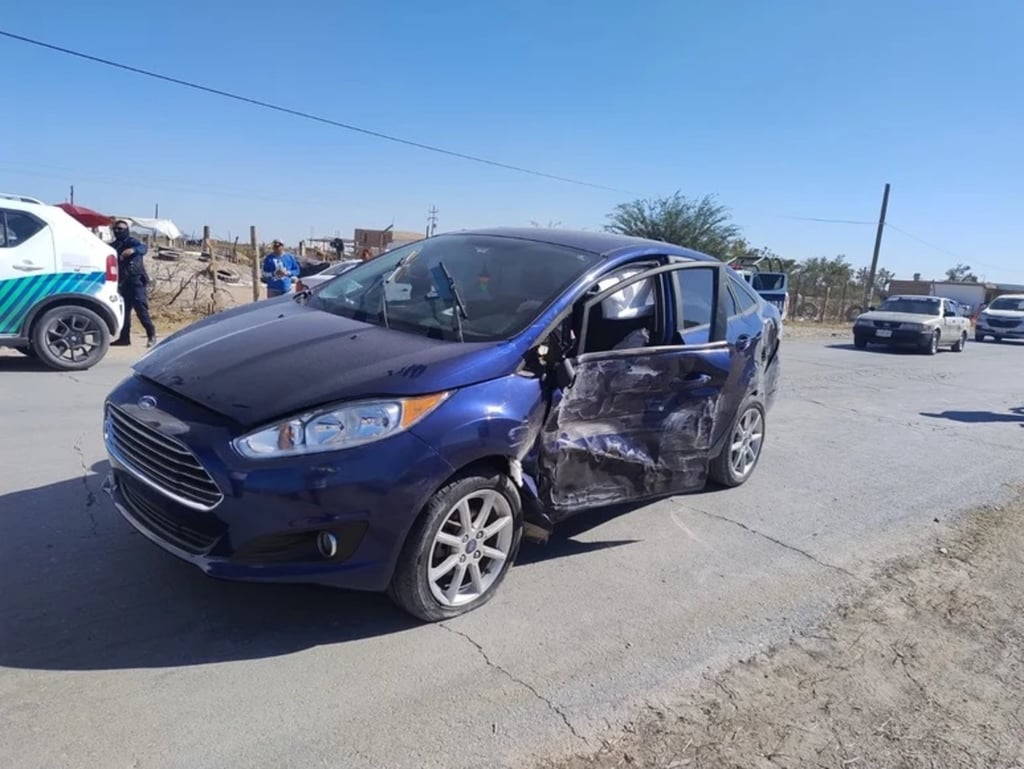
(961, 343)
(441, 548)
(734, 465)
(70, 338)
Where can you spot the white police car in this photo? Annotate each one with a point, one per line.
(58, 286)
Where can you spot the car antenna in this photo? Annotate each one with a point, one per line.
(458, 306)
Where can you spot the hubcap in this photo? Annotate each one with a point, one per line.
(746, 443)
(73, 337)
(471, 547)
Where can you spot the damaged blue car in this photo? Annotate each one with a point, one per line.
(404, 425)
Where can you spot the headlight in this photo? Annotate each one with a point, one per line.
(338, 427)
(862, 322)
(913, 326)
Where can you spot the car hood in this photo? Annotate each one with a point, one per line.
(898, 317)
(1005, 314)
(278, 357)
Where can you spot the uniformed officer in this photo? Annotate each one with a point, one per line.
(131, 283)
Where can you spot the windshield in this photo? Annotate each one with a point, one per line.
(923, 305)
(341, 267)
(769, 281)
(1007, 303)
(504, 283)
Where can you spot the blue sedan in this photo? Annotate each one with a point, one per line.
(403, 426)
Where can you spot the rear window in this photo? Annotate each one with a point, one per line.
(505, 283)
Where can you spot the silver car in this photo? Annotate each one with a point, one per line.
(1002, 319)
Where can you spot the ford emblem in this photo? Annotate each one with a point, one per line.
(147, 402)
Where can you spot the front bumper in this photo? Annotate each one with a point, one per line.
(266, 525)
(897, 337)
(988, 329)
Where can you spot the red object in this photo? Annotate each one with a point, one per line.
(111, 268)
(86, 216)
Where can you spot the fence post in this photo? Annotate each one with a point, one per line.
(208, 246)
(794, 299)
(255, 263)
(824, 305)
(842, 302)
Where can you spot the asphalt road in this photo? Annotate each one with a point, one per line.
(114, 654)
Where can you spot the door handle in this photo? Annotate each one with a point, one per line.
(696, 380)
(743, 341)
(26, 267)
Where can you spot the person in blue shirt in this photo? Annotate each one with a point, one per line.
(280, 269)
(132, 280)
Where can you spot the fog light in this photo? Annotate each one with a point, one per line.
(327, 544)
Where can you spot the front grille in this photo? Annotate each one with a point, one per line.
(161, 461)
(183, 531)
(1003, 322)
(887, 324)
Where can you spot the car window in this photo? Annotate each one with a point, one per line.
(769, 281)
(625, 320)
(732, 308)
(695, 303)
(744, 294)
(917, 305)
(505, 283)
(17, 227)
(1007, 303)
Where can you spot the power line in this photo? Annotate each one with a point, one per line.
(959, 257)
(306, 115)
(827, 221)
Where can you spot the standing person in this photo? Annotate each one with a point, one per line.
(131, 283)
(280, 269)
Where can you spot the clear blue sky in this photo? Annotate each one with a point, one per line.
(788, 108)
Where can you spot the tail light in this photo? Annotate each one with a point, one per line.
(111, 269)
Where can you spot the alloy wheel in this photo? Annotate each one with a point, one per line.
(470, 548)
(73, 337)
(745, 446)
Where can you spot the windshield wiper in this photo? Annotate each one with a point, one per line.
(458, 306)
(384, 288)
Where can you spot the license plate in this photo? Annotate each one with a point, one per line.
(883, 332)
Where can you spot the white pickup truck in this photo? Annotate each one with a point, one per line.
(922, 322)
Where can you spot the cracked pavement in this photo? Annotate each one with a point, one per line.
(115, 654)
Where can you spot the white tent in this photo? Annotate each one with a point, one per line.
(164, 227)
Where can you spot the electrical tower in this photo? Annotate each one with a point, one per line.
(431, 221)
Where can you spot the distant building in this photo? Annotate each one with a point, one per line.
(971, 294)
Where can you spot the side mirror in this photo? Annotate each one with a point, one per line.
(871, 308)
(949, 314)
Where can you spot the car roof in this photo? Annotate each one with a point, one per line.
(1009, 296)
(606, 244)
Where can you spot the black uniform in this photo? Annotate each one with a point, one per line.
(131, 284)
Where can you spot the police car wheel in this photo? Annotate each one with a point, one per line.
(70, 338)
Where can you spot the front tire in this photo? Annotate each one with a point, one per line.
(460, 548)
(860, 343)
(961, 343)
(979, 337)
(742, 451)
(70, 338)
(933, 344)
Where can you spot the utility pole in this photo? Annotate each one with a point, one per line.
(156, 211)
(431, 221)
(72, 194)
(869, 289)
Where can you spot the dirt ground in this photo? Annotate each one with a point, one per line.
(925, 669)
